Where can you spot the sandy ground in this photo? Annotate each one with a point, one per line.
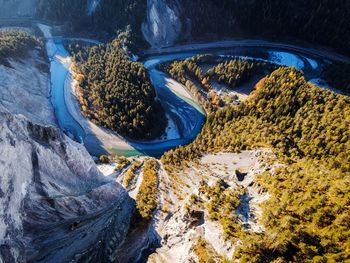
(135, 189)
(242, 91)
(224, 164)
(223, 90)
(181, 91)
(178, 88)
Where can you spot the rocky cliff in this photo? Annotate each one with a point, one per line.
(56, 206)
(163, 25)
(24, 88)
(198, 20)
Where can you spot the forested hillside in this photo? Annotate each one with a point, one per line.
(286, 113)
(117, 93)
(15, 43)
(310, 21)
(294, 20)
(109, 16)
(307, 215)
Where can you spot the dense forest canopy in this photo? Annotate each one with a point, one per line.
(325, 22)
(307, 216)
(117, 93)
(237, 71)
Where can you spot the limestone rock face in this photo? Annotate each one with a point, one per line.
(25, 88)
(55, 204)
(163, 25)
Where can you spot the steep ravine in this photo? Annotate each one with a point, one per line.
(57, 207)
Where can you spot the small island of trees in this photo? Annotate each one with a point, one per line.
(116, 93)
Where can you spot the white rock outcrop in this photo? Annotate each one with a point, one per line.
(25, 88)
(163, 24)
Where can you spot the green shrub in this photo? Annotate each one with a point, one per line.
(146, 199)
(104, 159)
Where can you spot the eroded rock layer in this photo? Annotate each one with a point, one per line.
(56, 206)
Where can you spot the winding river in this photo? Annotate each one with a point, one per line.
(186, 117)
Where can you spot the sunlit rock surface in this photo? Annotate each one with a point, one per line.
(55, 204)
(25, 88)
